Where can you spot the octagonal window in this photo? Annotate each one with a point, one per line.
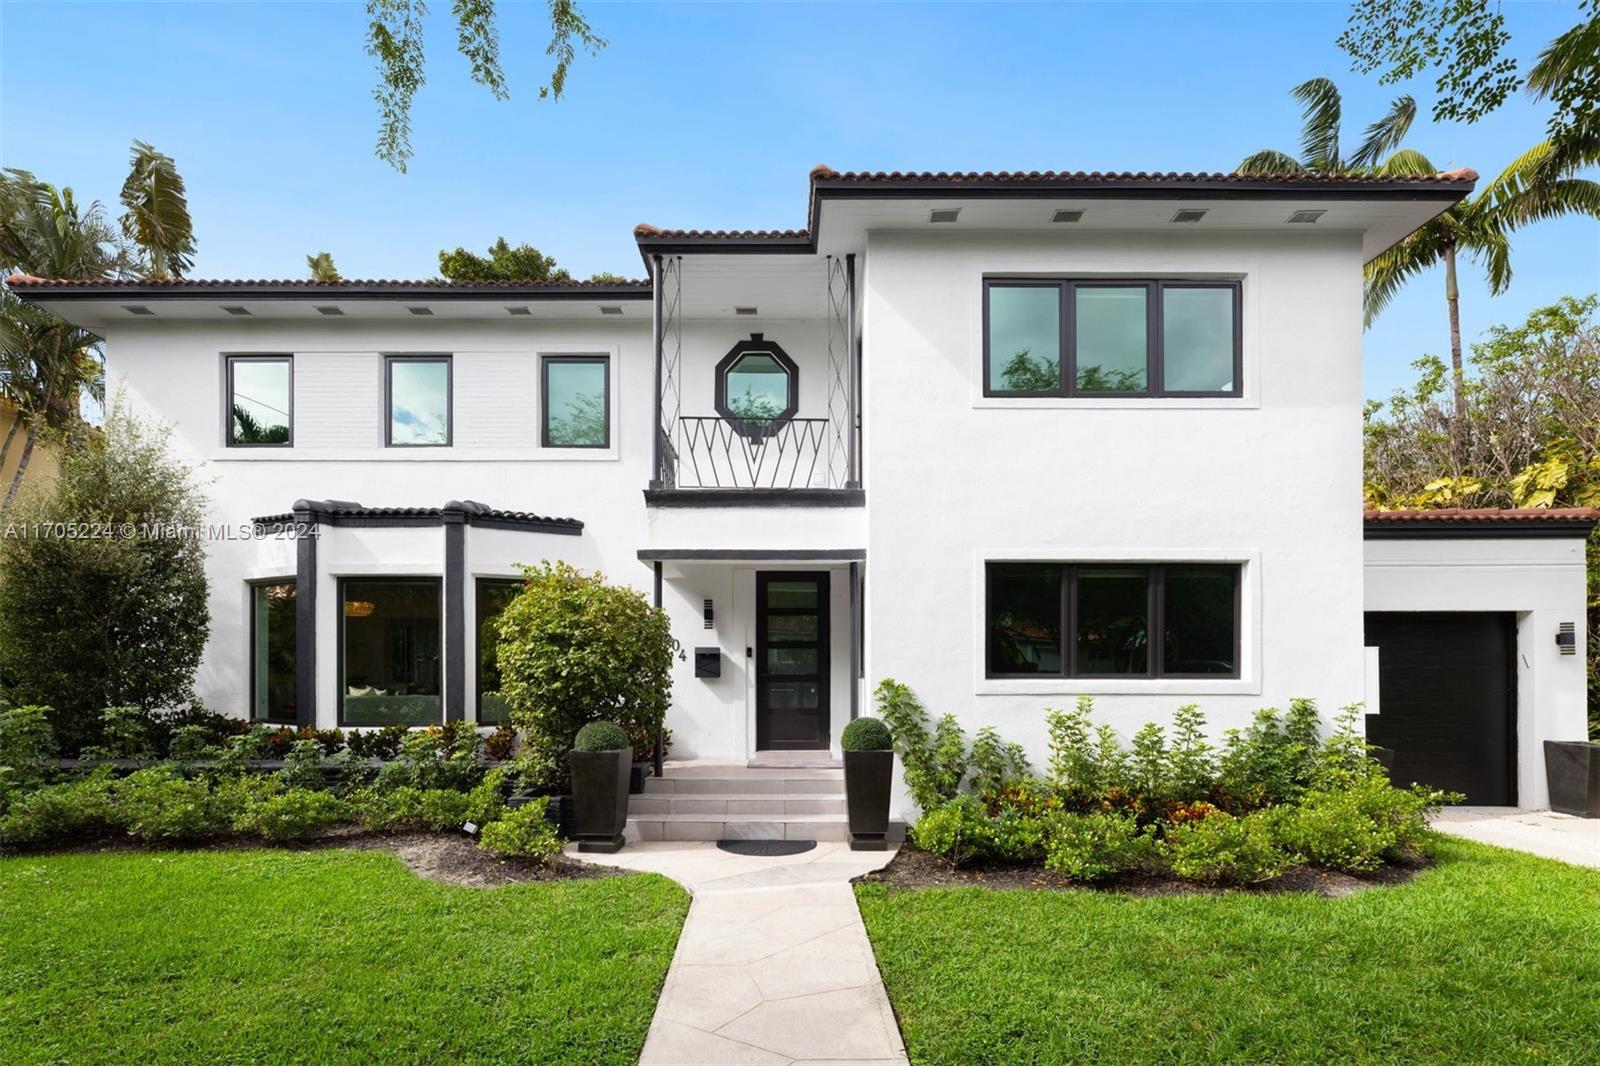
(758, 385)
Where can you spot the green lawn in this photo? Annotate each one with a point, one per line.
(1490, 957)
(325, 956)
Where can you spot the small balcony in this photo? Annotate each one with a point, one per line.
(762, 418)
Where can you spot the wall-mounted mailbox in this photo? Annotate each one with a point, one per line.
(708, 662)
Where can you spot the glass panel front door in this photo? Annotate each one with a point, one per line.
(791, 661)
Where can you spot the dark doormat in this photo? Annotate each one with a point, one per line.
(767, 848)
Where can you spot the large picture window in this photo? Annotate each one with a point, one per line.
(1059, 337)
(389, 643)
(493, 596)
(260, 401)
(577, 394)
(418, 391)
(272, 654)
(1112, 620)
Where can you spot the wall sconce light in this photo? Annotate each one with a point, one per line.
(710, 615)
(1567, 638)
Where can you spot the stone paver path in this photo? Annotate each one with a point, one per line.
(773, 966)
(1554, 836)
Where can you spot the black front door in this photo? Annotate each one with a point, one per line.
(1447, 701)
(791, 660)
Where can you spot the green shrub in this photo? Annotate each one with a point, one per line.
(376, 743)
(1223, 849)
(123, 733)
(93, 622)
(303, 766)
(600, 736)
(160, 805)
(1360, 827)
(866, 734)
(1086, 764)
(1014, 836)
(996, 765)
(408, 809)
(68, 810)
(522, 832)
(1089, 847)
(487, 802)
(235, 794)
(957, 829)
(27, 750)
(574, 649)
(294, 815)
(933, 762)
(435, 757)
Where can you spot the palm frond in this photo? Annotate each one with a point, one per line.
(1384, 135)
(1408, 162)
(1319, 135)
(1269, 161)
(157, 216)
(1565, 58)
(1387, 274)
(1490, 246)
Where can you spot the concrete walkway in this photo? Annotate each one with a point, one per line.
(773, 966)
(1554, 836)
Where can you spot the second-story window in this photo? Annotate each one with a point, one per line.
(577, 395)
(1103, 337)
(260, 401)
(418, 391)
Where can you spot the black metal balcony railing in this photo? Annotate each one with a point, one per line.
(701, 452)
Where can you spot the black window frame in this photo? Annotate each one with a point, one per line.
(1155, 352)
(444, 682)
(545, 362)
(478, 585)
(449, 398)
(756, 345)
(229, 360)
(1155, 620)
(253, 586)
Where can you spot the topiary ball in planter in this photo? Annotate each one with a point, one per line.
(600, 736)
(868, 771)
(602, 761)
(866, 734)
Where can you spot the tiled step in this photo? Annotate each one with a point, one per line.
(762, 783)
(736, 827)
(720, 803)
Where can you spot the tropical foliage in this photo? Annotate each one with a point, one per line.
(395, 40)
(1322, 126)
(102, 580)
(1525, 432)
(321, 268)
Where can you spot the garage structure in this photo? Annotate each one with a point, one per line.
(1475, 628)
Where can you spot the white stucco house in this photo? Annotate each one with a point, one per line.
(1006, 437)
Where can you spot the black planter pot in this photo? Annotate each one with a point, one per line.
(600, 798)
(867, 776)
(641, 770)
(1572, 768)
(1385, 757)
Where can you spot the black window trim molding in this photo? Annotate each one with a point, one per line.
(1155, 353)
(756, 345)
(478, 582)
(251, 585)
(389, 360)
(229, 359)
(1155, 622)
(437, 580)
(576, 359)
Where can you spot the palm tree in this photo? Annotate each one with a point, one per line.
(1319, 136)
(322, 268)
(157, 217)
(1537, 185)
(46, 365)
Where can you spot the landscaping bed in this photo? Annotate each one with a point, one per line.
(913, 868)
(322, 955)
(1466, 963)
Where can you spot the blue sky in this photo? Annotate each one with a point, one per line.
(706, 115)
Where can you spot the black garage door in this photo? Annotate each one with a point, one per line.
(1447, 701)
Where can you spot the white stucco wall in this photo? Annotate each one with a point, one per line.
(1542, 581)
(1270, 479)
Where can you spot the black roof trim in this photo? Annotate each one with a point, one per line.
(1480, 530)
(350, 513)
(667, 555)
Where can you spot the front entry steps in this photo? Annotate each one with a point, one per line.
(728, 801)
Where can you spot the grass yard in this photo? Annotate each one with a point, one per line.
(322, 956)
(1490, 957)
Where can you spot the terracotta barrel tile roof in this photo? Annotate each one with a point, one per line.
(1458, 515)
(823, 174)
